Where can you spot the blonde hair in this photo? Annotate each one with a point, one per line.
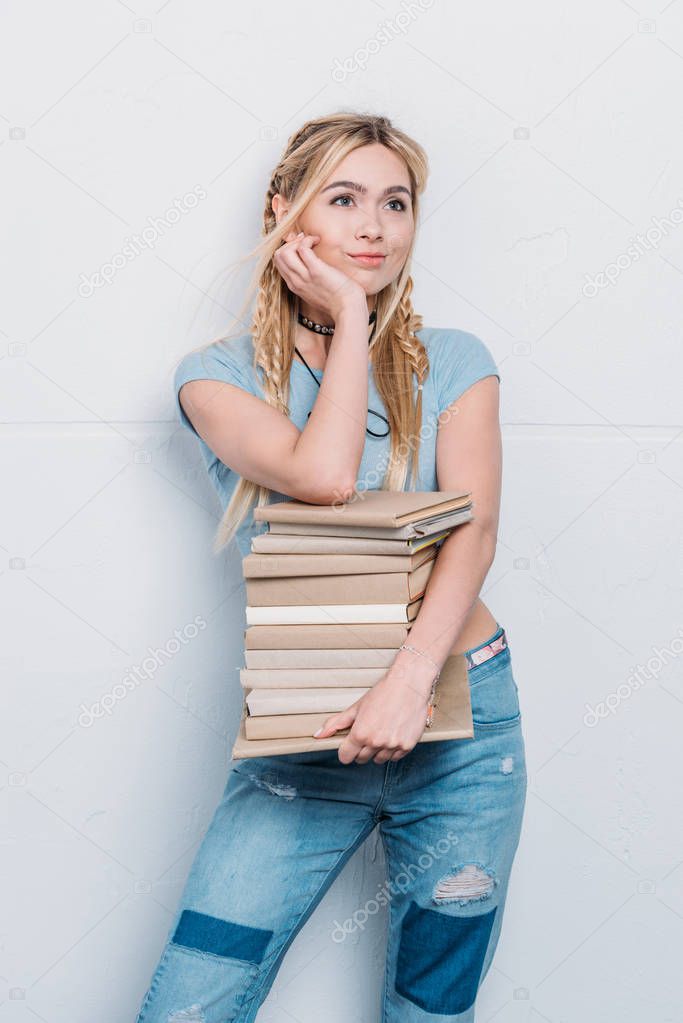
(311, 154)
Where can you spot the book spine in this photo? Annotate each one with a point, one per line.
(267, 678)
(301, 701)
(332, 529)
(280, 543)
(392, 588)
(284, 726)
(321, 614)
(287, 566)
(359, 636)
(349, 657)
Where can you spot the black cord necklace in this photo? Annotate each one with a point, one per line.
(320, 328)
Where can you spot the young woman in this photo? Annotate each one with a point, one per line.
(338, 386)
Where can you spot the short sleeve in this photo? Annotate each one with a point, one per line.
(215, 362)
(458, 360)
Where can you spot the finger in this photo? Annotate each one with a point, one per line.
(365, 753)
(307, 256)
(349, 749)
(292, 277)
(384, 755)
(340, 720)
(307, 242)
(328, 728)
(293, 261)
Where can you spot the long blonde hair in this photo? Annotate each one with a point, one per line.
(311, 154)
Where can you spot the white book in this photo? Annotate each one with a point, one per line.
(325, 614)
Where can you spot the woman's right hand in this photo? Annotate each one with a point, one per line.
(312, 279)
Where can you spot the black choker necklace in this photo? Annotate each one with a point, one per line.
(320, 328)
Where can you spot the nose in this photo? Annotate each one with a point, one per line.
(370, 228)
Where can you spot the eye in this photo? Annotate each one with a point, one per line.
(400, 202)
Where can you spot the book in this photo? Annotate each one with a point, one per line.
(327, 636)
(375, 588)
(396, 514)
(276, 734)
(269, 566)
(282, 543)
(336, 527)
(392, 508)
(320, 614)
(349, 657)
(274, 678)
(302, 701)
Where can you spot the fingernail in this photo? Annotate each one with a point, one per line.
(315, 734)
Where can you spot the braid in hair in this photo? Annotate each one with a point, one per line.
(404, 354)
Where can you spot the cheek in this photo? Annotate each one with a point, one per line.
(399, 242)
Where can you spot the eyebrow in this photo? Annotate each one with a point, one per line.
(355, 187)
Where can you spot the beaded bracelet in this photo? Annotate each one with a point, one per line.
(432, 696)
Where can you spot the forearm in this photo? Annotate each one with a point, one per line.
(333, 439)
(461, 567)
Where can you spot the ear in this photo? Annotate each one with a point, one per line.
(279, 207)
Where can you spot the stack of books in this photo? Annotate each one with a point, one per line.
(332, 591)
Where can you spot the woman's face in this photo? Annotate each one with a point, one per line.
(369, 212)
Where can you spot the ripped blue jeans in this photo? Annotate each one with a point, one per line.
(449, 814)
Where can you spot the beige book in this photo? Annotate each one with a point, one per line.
(301, 701)
(338, 528)
(378, 588)
(271, 566)
(282, 543)
(360, 657)
(277, 734)
(330, 636)
(405, 512)
(284, 678)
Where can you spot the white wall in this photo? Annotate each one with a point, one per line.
(554, 134)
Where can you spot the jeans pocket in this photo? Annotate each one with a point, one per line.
(494, 693)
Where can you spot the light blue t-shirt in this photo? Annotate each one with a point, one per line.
(457, 359)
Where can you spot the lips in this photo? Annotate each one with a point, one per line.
(368, 260)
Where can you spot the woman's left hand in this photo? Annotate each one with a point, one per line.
(386, 722)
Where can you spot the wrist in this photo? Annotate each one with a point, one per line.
(351, 308)
(413, 670)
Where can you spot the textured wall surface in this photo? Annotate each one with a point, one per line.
(552, 229)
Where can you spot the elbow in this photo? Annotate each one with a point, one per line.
(335, 491)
